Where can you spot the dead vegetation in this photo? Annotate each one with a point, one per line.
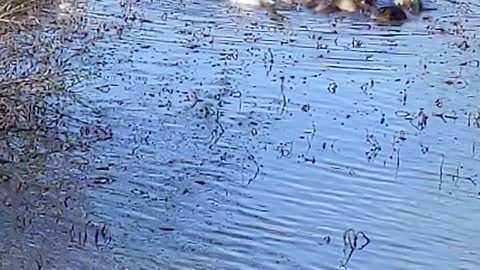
(35, 66)
(41, 60)
(21, 13)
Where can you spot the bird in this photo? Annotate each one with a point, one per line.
(328, 6)
(392, 11)
(413, 6)
(388, 14)
(250, 3)
(396, 11)
(278, 4)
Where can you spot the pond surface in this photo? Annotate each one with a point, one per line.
(242, 142)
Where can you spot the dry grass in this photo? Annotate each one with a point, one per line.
(34, 67)
(42, 58)
(21, 13)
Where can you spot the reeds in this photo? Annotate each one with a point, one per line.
(21, 13)
(34, 66)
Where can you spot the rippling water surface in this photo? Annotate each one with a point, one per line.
(242, 142)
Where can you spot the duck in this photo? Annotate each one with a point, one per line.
(413, 6)
(391, 13)
(388, 14)
(250, 3)
(328, 6)
(394, 12)
(278, 4)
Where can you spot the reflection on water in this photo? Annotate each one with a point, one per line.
(45, 133)
(196, 138)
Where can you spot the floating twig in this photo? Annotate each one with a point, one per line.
(257, 169)
(351, 243)
(441, 173)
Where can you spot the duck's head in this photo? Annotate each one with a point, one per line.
(389, 14)
(412, 6)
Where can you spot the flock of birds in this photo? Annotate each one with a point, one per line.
(390, 11)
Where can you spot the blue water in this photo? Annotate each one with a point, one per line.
(241, 142)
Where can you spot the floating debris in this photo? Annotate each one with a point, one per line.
(332, 88)
(375, 146)
(352, 241)
(325, 240)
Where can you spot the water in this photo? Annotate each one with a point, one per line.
(241, 142)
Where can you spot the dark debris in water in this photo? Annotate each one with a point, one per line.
(352, 241)
(325, 240)
(332, 88)
(92, 233)
(375, 146)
